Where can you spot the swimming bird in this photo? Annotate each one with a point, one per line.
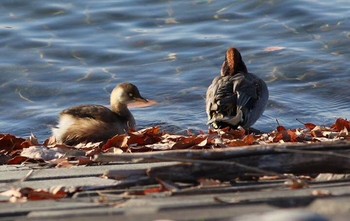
(95, 123)
(236, 97)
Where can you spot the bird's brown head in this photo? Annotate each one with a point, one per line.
(233, 63)
(126, 93)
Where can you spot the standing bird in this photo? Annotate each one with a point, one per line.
(237, 97)
(95, 123)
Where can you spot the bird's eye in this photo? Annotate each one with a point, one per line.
(131, 95)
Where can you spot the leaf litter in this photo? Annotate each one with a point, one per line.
(16, 150)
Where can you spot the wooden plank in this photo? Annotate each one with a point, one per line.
(68, 182)
(12, 209)
(331, 148)
(230, 163)
(78, 171)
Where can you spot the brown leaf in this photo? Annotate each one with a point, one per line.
(151, 131)
(32, 140)
(25, 144)
(154, 190)
(310, 126)
(236, 143)
(63, 163)
(146, 136)
(228, 133)
(249, 139)
(26, 193)
(84, 161)
(295, 183)
(169, 138)
(281, 128)
(293, 136)
(17, 160)
(44, 195)
(120, 141)
(137, 140)
(187, 142)
(286, 136)
(50, 141)
(316, 132)
(9, 143)
(93, 152)
(340, 124)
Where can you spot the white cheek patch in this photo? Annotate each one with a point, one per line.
(118, 94)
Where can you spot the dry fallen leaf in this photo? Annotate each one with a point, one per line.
(155, 190)
(340, 124)
(41, 153)
(50, 141)
(146, 136)
(17, 160)
(187, 142)
(236, 143)
(44, 195)
(281, 128)
(295, 183)
(24, 194)
(249, 139)
(284, 135)
(119, 141)
(321, 193)
(10, 143)
(62, 163)
(18, 150)
(310, 126)
(316, 132)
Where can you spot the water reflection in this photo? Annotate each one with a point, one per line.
(55, 55)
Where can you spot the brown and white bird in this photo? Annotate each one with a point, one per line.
(236, 97)
(95, 123)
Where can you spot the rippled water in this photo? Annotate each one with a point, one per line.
(55, 55)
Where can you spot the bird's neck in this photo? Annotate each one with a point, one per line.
(121, 109)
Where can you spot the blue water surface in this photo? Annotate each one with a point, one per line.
(57, 54)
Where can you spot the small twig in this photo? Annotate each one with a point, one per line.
(300, 121)
(26, 177)
(17, 182)
(278, 123)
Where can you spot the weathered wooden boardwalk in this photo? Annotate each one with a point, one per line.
(105, 199)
